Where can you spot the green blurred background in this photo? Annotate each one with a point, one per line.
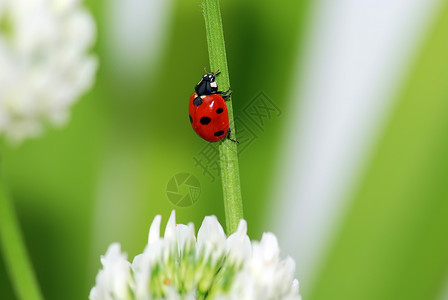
(103, 177)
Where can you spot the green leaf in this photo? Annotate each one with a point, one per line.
(14, 251)
(392, 244)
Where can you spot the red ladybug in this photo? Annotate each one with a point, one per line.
(208, 110)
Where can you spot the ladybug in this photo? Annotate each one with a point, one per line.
(208, 110)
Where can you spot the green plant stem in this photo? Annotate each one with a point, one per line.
(14, 252)
(228, 152)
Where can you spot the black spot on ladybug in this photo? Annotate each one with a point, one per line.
(205, 120)
(191, 119)
(219, 110)
(218, 133)
(197, 101)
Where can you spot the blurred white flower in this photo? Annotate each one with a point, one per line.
(179, 266)
(44, 64)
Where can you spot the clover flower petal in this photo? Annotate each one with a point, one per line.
(179, 266)
(44, 63)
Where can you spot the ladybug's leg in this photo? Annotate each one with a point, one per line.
(229, 138)
(225, 94)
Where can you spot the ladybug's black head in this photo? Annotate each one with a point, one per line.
(207, 85)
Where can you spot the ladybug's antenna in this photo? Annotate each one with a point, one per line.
(205, 70)
(217, 72)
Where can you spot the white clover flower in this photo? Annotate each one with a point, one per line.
(179, 266)
(44, 64)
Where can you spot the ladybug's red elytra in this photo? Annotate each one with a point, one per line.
(208, 110)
